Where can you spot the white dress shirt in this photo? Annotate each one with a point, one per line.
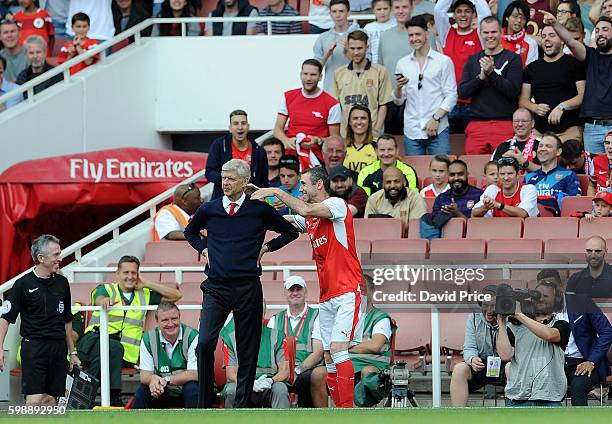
(438, 90)
(227, 202)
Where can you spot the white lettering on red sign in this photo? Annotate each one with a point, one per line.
(116, 169)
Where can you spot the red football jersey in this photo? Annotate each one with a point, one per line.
(39, 23)
(87, 45)
(601, 163)
(245, 155)
(334, 251)
(459, 47)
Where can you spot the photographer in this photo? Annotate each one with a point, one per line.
(537, 375)
(479, 343)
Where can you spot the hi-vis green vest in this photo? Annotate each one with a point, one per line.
(129, 324)
(303, 344)
(270, 349)
(381, 360)
(163, 365)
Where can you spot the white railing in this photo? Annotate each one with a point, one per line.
(134, 32)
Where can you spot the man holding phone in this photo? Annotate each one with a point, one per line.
(461, 198)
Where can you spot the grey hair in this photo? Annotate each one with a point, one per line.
(36, 39)
(318, 173)
(40, 246)
(163, 306)
(240, 167)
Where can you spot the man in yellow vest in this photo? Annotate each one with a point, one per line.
(170, 221)
(168, 363)
(125, 328)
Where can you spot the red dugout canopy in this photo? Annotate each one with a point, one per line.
(72, 196)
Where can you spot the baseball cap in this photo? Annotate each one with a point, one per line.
(458, 3)
(606, 196)
(339, 171)
(290, 162)
(293, 281)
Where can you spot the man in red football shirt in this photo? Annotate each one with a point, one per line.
(310, 111)
(329, 225)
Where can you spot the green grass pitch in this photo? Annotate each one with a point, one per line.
(303, 416)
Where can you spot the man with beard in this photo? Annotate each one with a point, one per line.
(342, 185)
(597, 102)
(537, 374)
(395, 200)
(461, 198)
(553, 87)
(524, 145)
(230, 9)
(510, 197)
(596, 279)
(334, 152)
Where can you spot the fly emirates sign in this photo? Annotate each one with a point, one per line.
(117, 169)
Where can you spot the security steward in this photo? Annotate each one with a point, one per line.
(42, 298)
(125, 328)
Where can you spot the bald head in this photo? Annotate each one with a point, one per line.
(394, 184)
(187, 197)
(392, 173)
(334, 152)
(595, 252)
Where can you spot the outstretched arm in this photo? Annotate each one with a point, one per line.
(308, 210)
(577, 48)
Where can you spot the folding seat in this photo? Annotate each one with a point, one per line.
(452, 336)
(377, 228)
(191, 317)
(188, 277)
(488, 228)
(414, 231)
(384, 251)
(192, 293)
(547, 228)
(454, 229)
(475, 164)
(458, 250)
(413, 330)
(81, 292)
(299, 250)
(170, 251)
(420, 164)
(571, 204)
(584, 183)
(565, 250)
(544, 213)
(514, 249)
(597, 227)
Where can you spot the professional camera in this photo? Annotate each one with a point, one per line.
(507, 296)
(396, 382)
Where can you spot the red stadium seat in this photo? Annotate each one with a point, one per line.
(299, 250)
(414, 229)
(81, 292)
(413, 330)
(377, 228)
(547, 228)
(565, 250)
(597, 227)
(420, 164)
(487, 228)
(188, 277)
(393, 249)
(476, 164)
(191, 317)
(458, 250)
(544, 212)
(454, 228)
(192, 293)
(452, 331)
(584, 183)
(170, 251)
(571, 204)
(514, 249)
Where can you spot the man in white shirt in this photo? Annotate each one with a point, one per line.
(426, 82)
(170, 221)
(168, 363)
(102, 27)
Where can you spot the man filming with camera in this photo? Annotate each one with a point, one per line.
(535, 346)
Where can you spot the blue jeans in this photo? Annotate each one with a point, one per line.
(594, 137)
(156, 9)
(532, 403)
(60, 29)
(144, 400)
(459, 118)
(439, 145)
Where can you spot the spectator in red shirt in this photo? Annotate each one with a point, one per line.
(35, 21)
(79, 44)
(342, 185)
(601, 164)
(236, 145)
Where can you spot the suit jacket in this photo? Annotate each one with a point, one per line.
(591, 330)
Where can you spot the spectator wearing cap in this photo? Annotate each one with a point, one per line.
(334, 152)
(553, 88)
(551, 181)
(459, 200)
(575, 158)
(289, 175)
(301, 321)
(596, 107)
(371, 177)
(459, 43)
(602, 206)
(170, 221)
(524, 145)
(510, 197)
(274, 151)
(395, 200)
(236, 145)
(342, 185)
(492, 79)
(601, 167)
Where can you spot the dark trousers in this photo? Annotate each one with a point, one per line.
(580, 385)
(244, 298)
(88, 347)
(144, 400)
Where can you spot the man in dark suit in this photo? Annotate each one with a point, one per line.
(236, 227)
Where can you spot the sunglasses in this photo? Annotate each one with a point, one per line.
(507, 161)
(420, 85)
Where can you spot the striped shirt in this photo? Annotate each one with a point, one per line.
(280, 27)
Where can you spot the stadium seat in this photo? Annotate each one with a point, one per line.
(192, 293)
(458, 250)
(544, 212)
(188, 277)
(454, 229)
(487, 228)
(191, 317)
(584, 183)
(565, 250)
(170, 251)
(547, 228)
(476, 164)
(571, 204)
(377, 228)
(413, 330)
(597, 227)
(514, 249)
(308, 275)
(81, 292)
(471, 181)
(384, 250)
(452, 333)
(300, 250)
(414, 229)
(420, 164)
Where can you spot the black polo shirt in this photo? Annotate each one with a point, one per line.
(44, 305)
(583, 283)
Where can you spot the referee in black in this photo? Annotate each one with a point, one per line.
(42, 297)
(236, 227)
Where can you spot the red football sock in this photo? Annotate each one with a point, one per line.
(332, 385)
(345, 385)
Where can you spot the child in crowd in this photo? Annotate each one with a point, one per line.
(79, 44)
(490, 174)
(35, 21)
(384, 21)
(438, 168)
(602, 205)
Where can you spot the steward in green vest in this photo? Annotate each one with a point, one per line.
(300, 321)
(125, 328)
(270, 389)
(168, 363)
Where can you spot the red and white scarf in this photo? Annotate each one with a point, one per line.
(516, 43)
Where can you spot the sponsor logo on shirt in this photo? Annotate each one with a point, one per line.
(5, 308)
(558, 176)
(318, 115)
(318, 242)
(469, 204)
(38, 23)
(469, 43)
